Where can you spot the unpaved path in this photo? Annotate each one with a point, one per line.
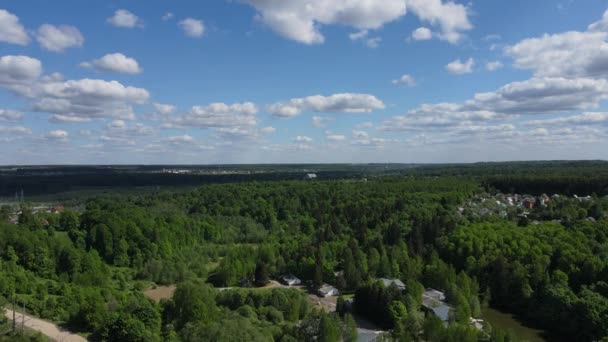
(48, 329)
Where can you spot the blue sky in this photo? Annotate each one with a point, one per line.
(265, 81)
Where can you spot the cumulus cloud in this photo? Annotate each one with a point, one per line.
(124, 18)
(458, 67)
(534, 96)
(451, 18)
(302, 138)
(180, 139)
(319, 121)
(68, 100)
(405, 79)
(567, 54)
(337, 103)
(58, 135)
(59, 118)
(217, 115)
(335, 137)
(437, 116)
(114, 62)
(231, 135)
(192, 27)
(58, 38)
(15, 130)
(360, 134)
(8, 115)
(542, 95)
(370, 42)
(164, 109)
(120, 130)
(422, 33)
(167, 16)
(588, 118)
(18, 72)
(493, 66)
(267, 130)
(302, 21)
(11, 30)
(88, 99)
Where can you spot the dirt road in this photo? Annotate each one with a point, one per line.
(46, 328)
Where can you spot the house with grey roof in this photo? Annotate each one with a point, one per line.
(434, 301)
(397, 282)
(327, 290)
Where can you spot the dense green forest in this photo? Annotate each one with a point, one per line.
(221, 243)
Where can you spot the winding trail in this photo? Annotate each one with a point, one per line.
(48, 329)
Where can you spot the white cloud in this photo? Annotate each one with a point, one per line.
(230, 135)
(422, 33)
(167, 16)
(86, 99)
(365, 125)
(8, 115)
(491, 37)
(542, 95)
(358, 35)
(370, 42)
(192, 27)
(405, 79)
(335, 137)
(567, 54)
(319, 121)
(360, 134)
(267, 130)
(18, 72)
(534, 96)
(302, 138)
(588, 118)
(337, 103)
(601, 25)
(301, 21)
(180, 139)
(120, 130)
(59, 118)
(15, 130)
(124, 18)
(459, 67)
(11, 30)
(58, 38)
(452, 18)
(68, 100)
(493, 66)
(218, 115)
(370, 142)
(117, 125)
(57, 135)
(115, 62)
(438, 116)
(164, 109)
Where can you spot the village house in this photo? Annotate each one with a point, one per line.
(434, 301)
(544, 200)
(290, 280)
(528, 203)
(327, 290)
(388, 282)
